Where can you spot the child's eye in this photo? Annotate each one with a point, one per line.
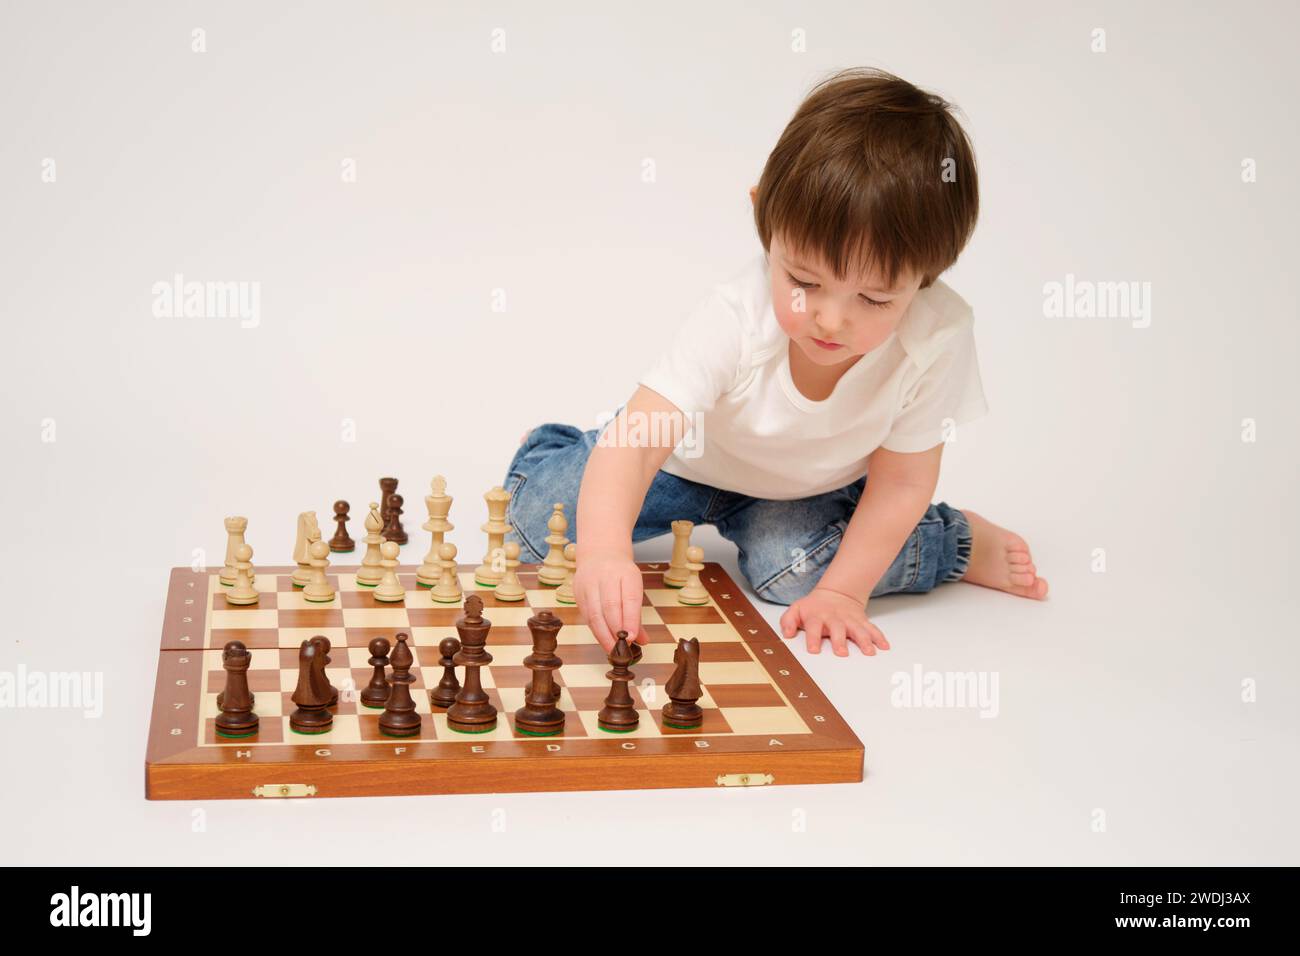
(873, 302)
(802, 285)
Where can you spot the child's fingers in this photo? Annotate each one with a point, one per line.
(790, 622)
(878, 636)
(812, 632)
(630, 588)
(607, 606)
(839, 644)
(860, 634)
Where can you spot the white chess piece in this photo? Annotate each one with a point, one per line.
(694, 592)
(308, 531)
(564, 593)
(318, 589)
(678, 574)
(371, 571)
(389, 590)
(510, 589)
(242, 592)
(552, 570)
(447, 590)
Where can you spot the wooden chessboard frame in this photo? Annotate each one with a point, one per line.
(180, 765)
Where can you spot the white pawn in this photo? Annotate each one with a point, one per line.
(447, 590)
(694, 592)
(510, 589)
(318, 589)
(372, 566)
(242, 592)
(389, 590)
(552, 569)
(564, 593)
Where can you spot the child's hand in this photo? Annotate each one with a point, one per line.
(838, 616)
(607, 587)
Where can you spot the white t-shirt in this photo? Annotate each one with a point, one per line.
(728, 368)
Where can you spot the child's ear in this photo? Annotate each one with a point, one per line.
(753, 195)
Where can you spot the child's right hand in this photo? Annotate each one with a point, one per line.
(607, 587)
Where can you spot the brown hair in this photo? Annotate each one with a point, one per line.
(857, 178)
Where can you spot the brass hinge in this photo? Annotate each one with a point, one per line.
(745, 779)
(285, 790)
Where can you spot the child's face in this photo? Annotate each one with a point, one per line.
(831, 321)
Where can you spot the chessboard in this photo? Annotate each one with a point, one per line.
(765, 721)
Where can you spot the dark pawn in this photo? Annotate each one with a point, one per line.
(473, 712)
(683, 688)
(399, 718)
(619, 713)
(386, 488)
(444, 695)
(312, 715)
(393, 530)
(326, 688)
(236, 718)
(376, 692)
(341, 543)
(539, 715)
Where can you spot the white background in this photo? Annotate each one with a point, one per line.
(521, 171)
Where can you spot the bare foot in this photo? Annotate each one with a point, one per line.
(1000, 559)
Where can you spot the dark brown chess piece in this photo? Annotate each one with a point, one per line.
(312, 715)
(444, 695)
(472, 713)
(539, 716)
(619, 714)
(386, 487)
(328, 690)
(341, 542)
(683, 688)
(393, 530)
(376, 692)
(236, 702)
(399, 718)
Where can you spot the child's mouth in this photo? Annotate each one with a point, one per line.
(828, 346)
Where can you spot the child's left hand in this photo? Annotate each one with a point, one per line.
(840, 617)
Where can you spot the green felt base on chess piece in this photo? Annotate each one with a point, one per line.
(319, 600)
(669, 723)
(414, 733)
(311, 733)
(222, 733)
(224, 584)
(374, 706)
(486, 584)
(560, 600)
(484, 730)
(367, 584)
(547, 584)
(447, 600)
(669, 584)
(535, 733)
(297, 586)
(421, 584)
(610, 730)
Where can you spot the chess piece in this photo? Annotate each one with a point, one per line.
(683, 688)
(399, 718)
(341, 543)
(564, 593)
(312, 715)
(539, 716)
(552, 571)
(376, 693)
(236, 702)
(444, 695)
(235, 528)
(393, 530)
(328, 690)
(318, 589)
(389, 590)
(447, 590)
(489, 573)
(439, 504)
(308, 531)
(619, 715)
(371, 571)
(694, 592)
(243, 593)
(510, 589)
(386, 487)
(472, 713)
(678, 574)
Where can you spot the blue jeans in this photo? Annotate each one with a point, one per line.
(784, 546)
